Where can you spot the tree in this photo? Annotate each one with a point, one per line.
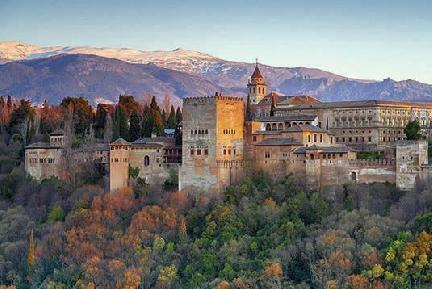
(134, 126)
(158, 127)
(179, 115)
(82, 113)
(147, 124)
(57, 214)
(412, 130)
(172, 121)
(120, 128)
(129, 105)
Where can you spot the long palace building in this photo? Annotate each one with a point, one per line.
(225, 136)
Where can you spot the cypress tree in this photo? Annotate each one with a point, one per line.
(135, 126)
(179, 115)
(172, 121)
(147, 124)
(120, 128)
(158, 125)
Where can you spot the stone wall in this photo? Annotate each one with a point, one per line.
(410, 157)
(212, 143)
(119, 167)
(42, 163)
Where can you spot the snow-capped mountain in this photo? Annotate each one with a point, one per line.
(211, 72)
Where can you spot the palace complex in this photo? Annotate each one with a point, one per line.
(223, 137)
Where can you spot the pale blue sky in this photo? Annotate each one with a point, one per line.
(358, 38)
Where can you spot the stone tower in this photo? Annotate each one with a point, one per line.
(257, 88)
(119, 164)
(212, 144)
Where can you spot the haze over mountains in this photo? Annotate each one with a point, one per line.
(103, 73)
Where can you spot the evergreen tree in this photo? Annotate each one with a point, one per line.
(147, 124)
(172, 121)
(120, 128)
(158, 125)
(179, 115)
(153, 104)
(135, 126)
(412, 130)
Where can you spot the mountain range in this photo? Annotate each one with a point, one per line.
(99, 74)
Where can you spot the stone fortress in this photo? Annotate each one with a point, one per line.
(224, 137)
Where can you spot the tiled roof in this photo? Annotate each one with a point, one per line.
(154, 140)
(304, 127)
(298, 100)
(256, 73)
(329, 149)
(120, 141)
(147, 144)
(291, 117)
(41, 145)
(57, 132)
(278, 142)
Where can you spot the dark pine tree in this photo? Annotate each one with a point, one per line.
(147, 124)
(134, 126)
(172, 122)
(179, 115)
(120, 128)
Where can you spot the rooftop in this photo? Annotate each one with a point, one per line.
(354, 104)
(291, 117)
(328, 149)
(278, 142)
(304, 127)
(41, 145)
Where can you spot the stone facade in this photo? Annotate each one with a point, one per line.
(363, 124)
(155, 158)
(317, 142)
(213, 136)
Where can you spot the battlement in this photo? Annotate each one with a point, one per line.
(210, 99)
(373, 163)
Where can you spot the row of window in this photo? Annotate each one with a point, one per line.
(41, 160)
(351, 131)
(229, 131)
(228, 151)
(353, 139)
(199, 131)
(260, 89)
(267, 155)
(199, 151)
(118, 160)
(315, 138)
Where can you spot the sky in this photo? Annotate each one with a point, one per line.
(368, 39)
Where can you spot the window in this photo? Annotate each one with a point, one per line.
(267, 155)
(321, 138)
(254, 138)
(206, 151)
(146, 161)
(198, 152)
(354, 176)
(315, 138)
(224, 151)
(192, 152)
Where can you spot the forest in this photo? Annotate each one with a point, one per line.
(259, 234)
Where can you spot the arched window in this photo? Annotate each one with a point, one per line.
(146, 161)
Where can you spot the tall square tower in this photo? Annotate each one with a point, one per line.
(213, 133)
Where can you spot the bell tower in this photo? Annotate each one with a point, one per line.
(257, 88)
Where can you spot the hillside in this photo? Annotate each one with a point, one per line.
(204, 75)
(93, 77)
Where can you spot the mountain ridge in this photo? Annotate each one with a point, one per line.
(214, 73)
